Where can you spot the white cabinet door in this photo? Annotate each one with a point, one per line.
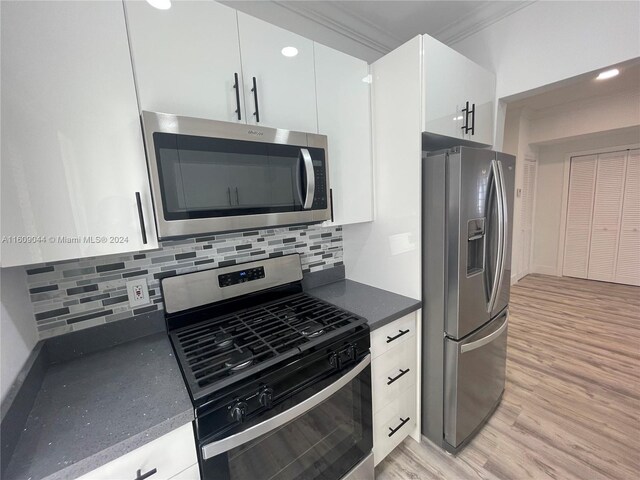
(607, 210)
(186, 59)
(285, 94)
(628, 262)
(579, 215)
(450, 81)
(72, 152)
(344, 116)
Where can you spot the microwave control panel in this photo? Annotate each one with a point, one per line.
(240, 276)
(320, 196)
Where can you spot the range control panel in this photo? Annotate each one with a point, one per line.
(240, 276)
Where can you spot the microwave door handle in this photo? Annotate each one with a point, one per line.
(311, 178)
(496, 274)
(220, 446)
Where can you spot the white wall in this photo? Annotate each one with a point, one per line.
(551, 167)
(17, 328)
(585, 117)
(550, 41)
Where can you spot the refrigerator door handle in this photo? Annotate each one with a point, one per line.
(505, 226)
(496, 276)
(467, 347)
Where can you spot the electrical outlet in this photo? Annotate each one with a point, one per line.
(138, 292)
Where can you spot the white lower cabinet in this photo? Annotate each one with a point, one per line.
(394, 371)
(172, 456)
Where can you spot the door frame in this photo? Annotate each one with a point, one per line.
(526, 268)
(565, 194)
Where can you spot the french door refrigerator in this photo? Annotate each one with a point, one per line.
(467, 217)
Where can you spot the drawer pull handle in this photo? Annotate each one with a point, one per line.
(142, 476)
(402, 372)
(402, 332)
(402, 422)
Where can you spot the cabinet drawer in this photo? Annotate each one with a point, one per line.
(393, 423)
(393, 334)
(393, 372)
(170, 455)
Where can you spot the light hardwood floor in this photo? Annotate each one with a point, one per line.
(571, 408)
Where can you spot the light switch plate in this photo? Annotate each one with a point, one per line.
(138, 292)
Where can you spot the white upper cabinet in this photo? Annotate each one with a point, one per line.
(344, 116)
(285, 92)
(451, 81)
(187, 59)
(72, 152)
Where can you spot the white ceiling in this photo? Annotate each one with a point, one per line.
(369, 29)
(583, 87)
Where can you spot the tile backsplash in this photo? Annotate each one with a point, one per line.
(77, 294)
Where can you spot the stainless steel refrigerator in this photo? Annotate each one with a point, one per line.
(467, 217)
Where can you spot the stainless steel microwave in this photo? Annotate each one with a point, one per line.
(209, 176)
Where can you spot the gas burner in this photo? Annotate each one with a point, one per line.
(312, 329)
(223, 341)
(239, 360)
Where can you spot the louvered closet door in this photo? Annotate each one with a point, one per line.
(579, 213)
(628, 262)
(607, 210)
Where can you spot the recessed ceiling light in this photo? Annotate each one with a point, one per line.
(160, 4)
(608, 74)
(289, 51)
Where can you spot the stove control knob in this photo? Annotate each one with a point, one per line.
(334, 360)
(265, 397)
(238, 411)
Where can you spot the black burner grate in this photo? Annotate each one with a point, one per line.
(216, 352)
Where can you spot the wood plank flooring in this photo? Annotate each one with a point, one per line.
(571, 408)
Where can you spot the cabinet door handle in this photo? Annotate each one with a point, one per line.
(473, 119)
(465, 110)
(142, 476)
(402, 422)
(237, 88)
(229, 195)
(237, 197)
(331, 200)
(402, 332)
(141, 218)
(255, 100)
(402, 372)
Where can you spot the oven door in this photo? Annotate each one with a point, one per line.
(322, 432)
(210, 176)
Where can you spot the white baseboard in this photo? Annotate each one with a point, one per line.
(545, 270)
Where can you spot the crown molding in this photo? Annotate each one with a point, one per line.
(477, 19)
(354, 28)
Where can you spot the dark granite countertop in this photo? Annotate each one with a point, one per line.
(95, 408)
(378, 306)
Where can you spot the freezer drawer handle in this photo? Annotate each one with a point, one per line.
(467, 347)
(402, 422)
(402, 372)
(142, 476)
(391, 339)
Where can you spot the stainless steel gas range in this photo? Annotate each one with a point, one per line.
(280, 381)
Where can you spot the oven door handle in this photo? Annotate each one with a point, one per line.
(224, 445)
